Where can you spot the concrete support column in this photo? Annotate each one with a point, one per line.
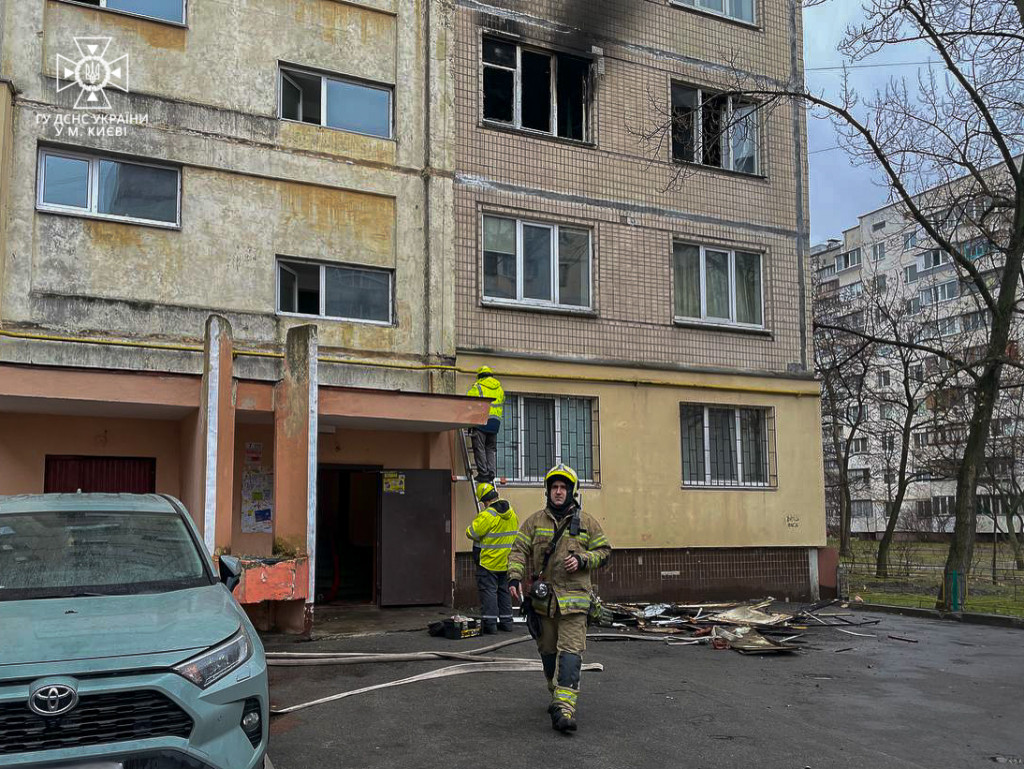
(217, 431)
(295, 459)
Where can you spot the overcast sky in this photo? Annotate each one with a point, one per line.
(840, 192)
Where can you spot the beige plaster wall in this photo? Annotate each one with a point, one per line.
(640, 501)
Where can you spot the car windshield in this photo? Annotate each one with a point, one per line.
(56, 554)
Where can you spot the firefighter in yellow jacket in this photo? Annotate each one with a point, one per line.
(485, 439)
(493, 531)
(558, 548)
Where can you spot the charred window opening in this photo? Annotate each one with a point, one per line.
(536, 90)
(714, 130)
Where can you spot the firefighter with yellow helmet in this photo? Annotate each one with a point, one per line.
(493, 531)
(557, 549)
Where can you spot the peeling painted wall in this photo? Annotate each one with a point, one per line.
(253, 186)
(6, 150)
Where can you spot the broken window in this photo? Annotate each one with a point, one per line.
(112, 189)
(536, 263)
(536, 90)
(714, 130)
(167, 10)
(334, 291)
(336, 103)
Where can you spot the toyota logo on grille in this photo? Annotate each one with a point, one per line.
(53, 699)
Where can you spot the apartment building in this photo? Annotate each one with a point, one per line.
(227, 242)
(632, 260)
(884, 275)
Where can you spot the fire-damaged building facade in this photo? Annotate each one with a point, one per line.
(631, 260)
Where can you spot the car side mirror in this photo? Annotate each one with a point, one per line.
(230, 571)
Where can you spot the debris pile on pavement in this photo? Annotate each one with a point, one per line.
(745, 627)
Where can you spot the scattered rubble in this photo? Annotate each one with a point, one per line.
(744, 627)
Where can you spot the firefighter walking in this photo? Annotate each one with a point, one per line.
(493, 531)
(558, 549)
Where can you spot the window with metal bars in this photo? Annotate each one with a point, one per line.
(539, 431)
(728, 446)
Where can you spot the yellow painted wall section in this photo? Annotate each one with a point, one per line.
(331, 35)
(641, 501)
(26, 439)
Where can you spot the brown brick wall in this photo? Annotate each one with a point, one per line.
(631, 195)
(703, 575)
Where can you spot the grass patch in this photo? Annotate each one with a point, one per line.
(920, 591)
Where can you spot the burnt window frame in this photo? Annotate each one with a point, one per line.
(517, 89)
(703, 97)
(769, 446)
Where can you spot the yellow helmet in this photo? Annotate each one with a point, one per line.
(484, 371)
(567, 474)
(484, 491)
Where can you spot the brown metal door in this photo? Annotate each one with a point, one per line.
(415, 537)
(115, 475)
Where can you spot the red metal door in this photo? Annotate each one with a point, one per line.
(134, 475)
(415, 537)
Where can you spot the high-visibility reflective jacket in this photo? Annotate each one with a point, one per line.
(571, 590)
(494, 530)
(490, 387)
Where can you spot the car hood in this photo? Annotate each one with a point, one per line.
(99, 627)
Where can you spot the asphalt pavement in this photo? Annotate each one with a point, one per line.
(953, 699)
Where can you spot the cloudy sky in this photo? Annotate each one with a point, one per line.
(839, 191)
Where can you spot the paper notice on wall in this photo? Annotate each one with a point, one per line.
(394, 483)
(254, 453)
(257, 500)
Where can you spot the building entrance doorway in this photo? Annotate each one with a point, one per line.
(348, 512)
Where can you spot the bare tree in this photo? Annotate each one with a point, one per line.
(842, 362)
(949, 151)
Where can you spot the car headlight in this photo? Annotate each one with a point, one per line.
(211, 666)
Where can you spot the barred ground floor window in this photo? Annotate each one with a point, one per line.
(539, 431)
(728, 446)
